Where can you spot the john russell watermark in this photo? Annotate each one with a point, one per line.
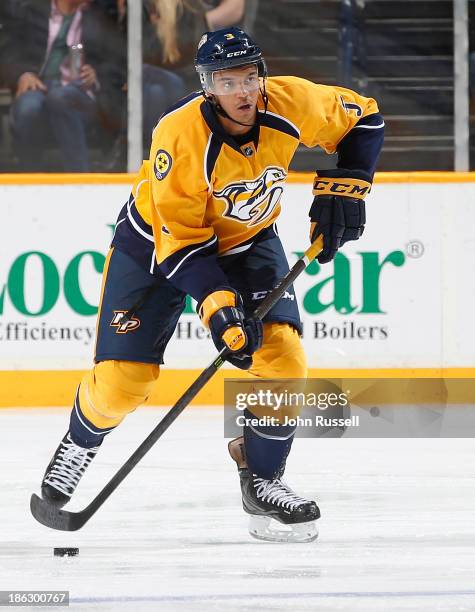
(352, 407)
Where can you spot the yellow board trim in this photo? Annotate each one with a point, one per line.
(33, 388)
(293, 177)
(67, 179)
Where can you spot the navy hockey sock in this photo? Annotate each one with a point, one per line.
(83, 432)
(267, 448)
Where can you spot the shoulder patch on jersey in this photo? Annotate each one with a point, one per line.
(162, 165)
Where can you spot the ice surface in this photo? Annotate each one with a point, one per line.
(397, 530)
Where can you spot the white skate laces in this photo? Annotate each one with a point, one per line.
(277, 492)
(69, 466)
(265, 528)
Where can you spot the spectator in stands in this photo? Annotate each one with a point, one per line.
(170, 38)
(176, 27)
(171, 30)
(58, 84)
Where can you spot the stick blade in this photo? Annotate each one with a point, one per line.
(55, 518)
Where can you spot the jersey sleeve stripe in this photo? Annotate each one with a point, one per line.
(137, 189)
(239, 249)
(211, 155)
(370, 127)
(140, 226)
(117, 225)
(178, 259)
(152, 261)
(370, 122)
(262, 235)
(205, 164)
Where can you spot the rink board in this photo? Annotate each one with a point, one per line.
(399, 300)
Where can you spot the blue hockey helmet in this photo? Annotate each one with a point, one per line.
(226, 49)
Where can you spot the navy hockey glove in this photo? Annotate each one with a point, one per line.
(223, 312)
(338, 209)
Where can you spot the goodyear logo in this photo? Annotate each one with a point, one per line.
(352, 188)
(162, 165)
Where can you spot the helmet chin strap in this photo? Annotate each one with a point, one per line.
(219, 110)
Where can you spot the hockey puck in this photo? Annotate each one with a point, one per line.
(66, 552)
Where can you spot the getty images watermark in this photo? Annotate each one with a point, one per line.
(283, 404)
(315, 408)
(352, 407)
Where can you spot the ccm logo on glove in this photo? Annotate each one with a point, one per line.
(352, 188)
(338, 209)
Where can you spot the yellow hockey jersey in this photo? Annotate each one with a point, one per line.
(202, 194)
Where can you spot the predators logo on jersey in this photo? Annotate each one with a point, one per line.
(252, 202)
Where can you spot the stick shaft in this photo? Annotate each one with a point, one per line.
(269, 301)
(64, 520)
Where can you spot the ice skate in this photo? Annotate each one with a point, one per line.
(277, 514)
(65, 470)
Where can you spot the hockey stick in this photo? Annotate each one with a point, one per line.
(63, 520)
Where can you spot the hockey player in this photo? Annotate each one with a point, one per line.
(201, 220)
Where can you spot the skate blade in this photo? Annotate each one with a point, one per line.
(262, 528)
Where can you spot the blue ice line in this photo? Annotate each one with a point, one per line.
(225, 597)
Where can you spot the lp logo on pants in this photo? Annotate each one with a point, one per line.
(123, 323)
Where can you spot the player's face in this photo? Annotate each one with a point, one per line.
(237, 91)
